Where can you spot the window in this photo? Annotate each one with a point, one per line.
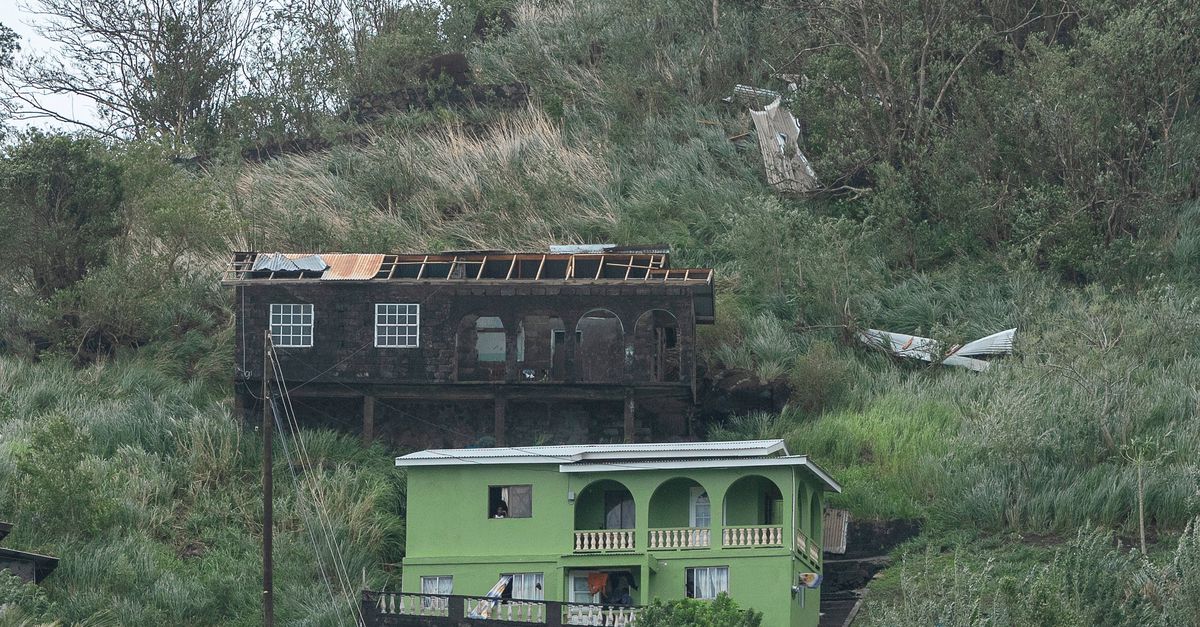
(580, 590)
(510, 501)
(707, 582)
(292, 325)
(397, 325)
(701, 508)
(490, 341)
(438, 584)
(524, 587)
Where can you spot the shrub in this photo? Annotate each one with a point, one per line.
(720, 612)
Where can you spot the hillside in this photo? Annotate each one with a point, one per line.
(983, 167)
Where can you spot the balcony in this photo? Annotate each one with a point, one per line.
(604, 540)
(752, 536)
(805, 547)
(398, 609)
(680, 538)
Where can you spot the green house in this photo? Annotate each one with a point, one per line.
(598, 530)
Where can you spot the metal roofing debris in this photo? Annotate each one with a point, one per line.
(750, 95)
(835, 526)
(779, 141)
(279, 262)
(348, 267)
(927, 349)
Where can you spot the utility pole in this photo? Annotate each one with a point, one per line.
(268, 431)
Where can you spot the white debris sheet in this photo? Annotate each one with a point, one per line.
(928, 349)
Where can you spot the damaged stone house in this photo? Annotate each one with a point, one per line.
(577, 344)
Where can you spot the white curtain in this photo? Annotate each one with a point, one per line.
(709, 582)
(527, 586)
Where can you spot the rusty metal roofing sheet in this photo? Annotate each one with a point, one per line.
(836, 524)
(351, 267)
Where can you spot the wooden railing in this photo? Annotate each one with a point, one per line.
(680, 538)
(604, 540)
(387, 609)
(752, 536)
(805, 546)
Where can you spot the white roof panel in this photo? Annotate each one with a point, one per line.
(572, 453)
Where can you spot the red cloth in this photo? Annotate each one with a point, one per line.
(597, 582)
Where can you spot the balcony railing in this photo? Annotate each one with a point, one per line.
(392, 608)
(752, 536)
(680, 538)
(601, 540)
(805, 546)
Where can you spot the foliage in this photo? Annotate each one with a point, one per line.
(60, 208)
(720, 612)
(25, 598)
(1088, 581)
(60, 487)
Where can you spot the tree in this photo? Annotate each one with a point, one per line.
(59, 210)
(1145, 454)
(8, 48)
(156, 69)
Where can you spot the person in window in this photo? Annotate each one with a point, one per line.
(623, 597)
(501, 511)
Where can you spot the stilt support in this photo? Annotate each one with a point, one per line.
(368, 427)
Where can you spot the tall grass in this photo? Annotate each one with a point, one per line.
(183, 488)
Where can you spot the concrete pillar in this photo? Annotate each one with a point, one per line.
(630, 426)
(500, 427)
(368, 418)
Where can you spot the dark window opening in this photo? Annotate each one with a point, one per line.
(510, 501)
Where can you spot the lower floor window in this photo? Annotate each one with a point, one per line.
(525, 587)
(438, 584)
(707, 582)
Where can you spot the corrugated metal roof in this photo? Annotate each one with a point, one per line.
(570, 453)
(351, 267)
(280, 262)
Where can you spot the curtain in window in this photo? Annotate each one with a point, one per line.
(703, 510)
(527, 586)
(520, 501)
(709, 582)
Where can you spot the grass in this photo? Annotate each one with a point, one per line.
(180, 486)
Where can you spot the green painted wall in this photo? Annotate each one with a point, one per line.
(449, 532)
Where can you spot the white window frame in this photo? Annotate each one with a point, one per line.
(693, 518)
(299, 332)
(531, 585)
(392, 329)
(708, 571)
(438, 583)
(571, 591)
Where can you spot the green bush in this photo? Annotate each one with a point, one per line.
(720, 612)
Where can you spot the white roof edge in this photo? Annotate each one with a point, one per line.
(683, 464)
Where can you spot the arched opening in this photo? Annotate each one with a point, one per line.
(816, 517)
(753, 500)
(605, 504)
(656, 346)
(542, 348)
(600, 355)
(482, 348)
(680, 515)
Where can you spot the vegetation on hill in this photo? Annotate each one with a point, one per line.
(984, 166)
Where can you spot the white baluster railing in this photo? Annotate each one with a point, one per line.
(604, 540)
(600, 615)
(752, 536)
(680, 538)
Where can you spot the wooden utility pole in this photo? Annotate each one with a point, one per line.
(268, 431)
